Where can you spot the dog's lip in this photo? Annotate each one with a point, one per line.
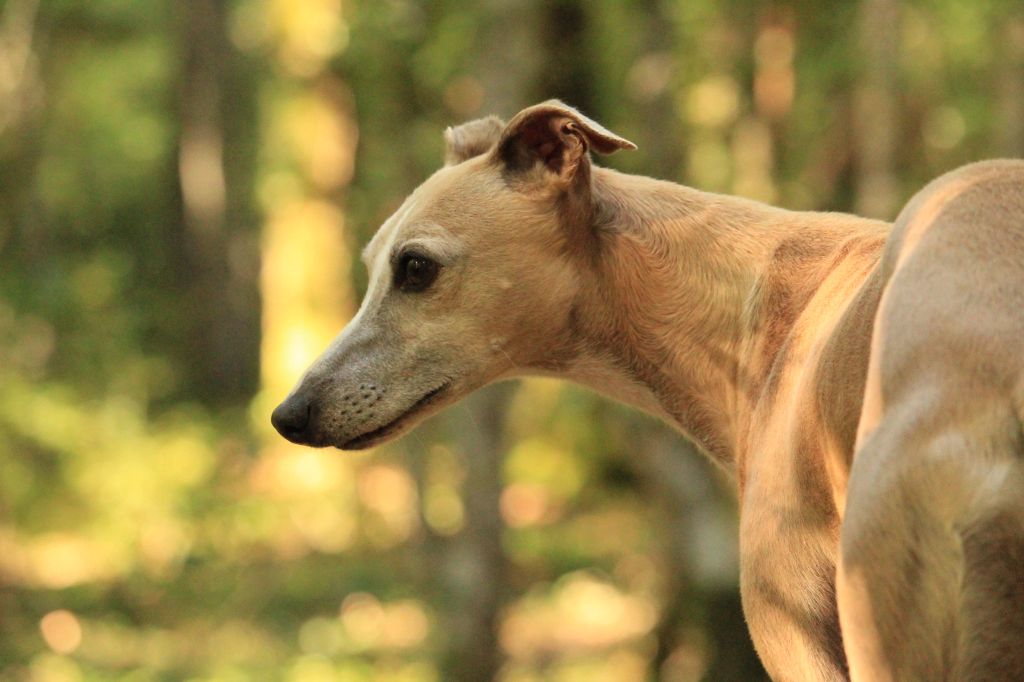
(371, 437)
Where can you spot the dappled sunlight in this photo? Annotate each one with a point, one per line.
(752, 149)
(202, 174)
(141, 470)
(307, 32)
(314, 130)
(714, 102)
(54, 668)
(326, 526)
(59, 560)
(388, 493)
(580, 613)
(234, 644)
(309, 146)
(164, 543)
(290, 472)
(305, 304)
(443, 509)
(535, 403)
(525, 504)
(61, 631)
(540, 461)
(369, 624)
(709, 157)
(775, 80)
(317, 490)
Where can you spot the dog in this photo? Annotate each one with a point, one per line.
(780, 342)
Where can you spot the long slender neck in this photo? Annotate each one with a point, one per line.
(675, 301)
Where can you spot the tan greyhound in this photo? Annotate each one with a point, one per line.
(754, 331)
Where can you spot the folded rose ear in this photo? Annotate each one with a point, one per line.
(471, 139)
(557, 136)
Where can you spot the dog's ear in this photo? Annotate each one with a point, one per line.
(556, 136)
(471, 139)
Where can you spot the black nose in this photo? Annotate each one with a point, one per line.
(291, 418)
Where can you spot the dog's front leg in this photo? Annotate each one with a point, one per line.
(788, 588)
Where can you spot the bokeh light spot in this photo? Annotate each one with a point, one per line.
(61, 631)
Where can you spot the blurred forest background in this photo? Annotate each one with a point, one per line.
(184, 188)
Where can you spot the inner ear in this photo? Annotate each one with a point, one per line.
(471, 139)
(558, 137)
(554, 141)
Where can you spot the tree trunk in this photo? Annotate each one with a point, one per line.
(876, 125)
(566, 67)
(661, 129)
(219, 281)
(476, 564)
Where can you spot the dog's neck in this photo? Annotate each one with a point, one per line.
(676, 317)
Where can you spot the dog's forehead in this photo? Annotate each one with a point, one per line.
(425, 210)
(388, 231)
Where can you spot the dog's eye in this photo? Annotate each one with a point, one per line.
(415, 272)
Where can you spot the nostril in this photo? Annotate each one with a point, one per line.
(291, 418)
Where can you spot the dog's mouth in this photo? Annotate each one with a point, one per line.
(380, 433)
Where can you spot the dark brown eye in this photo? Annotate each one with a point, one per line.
(415, 272)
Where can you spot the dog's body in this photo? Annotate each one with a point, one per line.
(932, 577)
(752, 330)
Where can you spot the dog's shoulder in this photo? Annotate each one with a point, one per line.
(982, 198)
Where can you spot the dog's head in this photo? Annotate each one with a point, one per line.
(472, 280)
